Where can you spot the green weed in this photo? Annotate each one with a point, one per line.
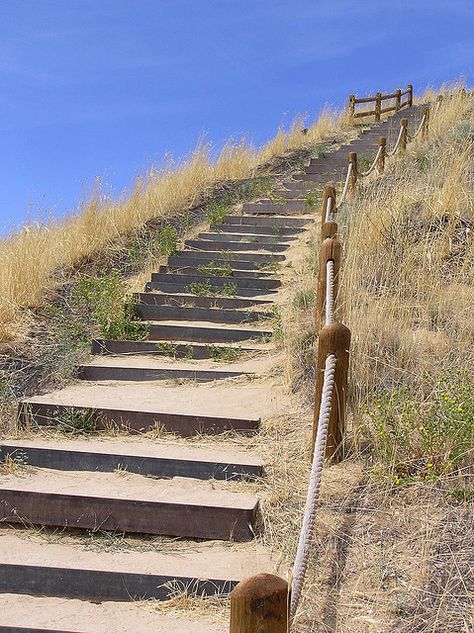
(167, 240)
(304, 299)
(216, 211)
(216, 270)
(223, 353)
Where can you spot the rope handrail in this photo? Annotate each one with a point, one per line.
(346, 186)
(307, 530)
(420, 127)
(395, 148)
(329, 210)
(363, 174)
(329, 306)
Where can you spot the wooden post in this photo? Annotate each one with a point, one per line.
(330, 250)
(352, 106)
(424, 130)
(381, 159)
(328, 229)
(410, 95)
(329, 192)
(333, 339)
(398, 101)
(353, 178)
(403, 141)
(259, 604)
(378, 105)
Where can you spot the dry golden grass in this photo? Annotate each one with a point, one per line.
(30, 256)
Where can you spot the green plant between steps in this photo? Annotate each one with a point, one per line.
(311, 199)
(214, 269)
(215, 212)
(413, 441)
(167, 240)
(224, 353)
(76, 421)
(205, 288)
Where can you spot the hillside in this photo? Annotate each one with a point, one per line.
(179, 450)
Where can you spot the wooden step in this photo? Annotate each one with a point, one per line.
(39, 614)
(270, 207)
(213, 315)
(194, 351)
(187, 300)
(32, 565)
(257, 230)
(69, 413)
(198, 270)
(203, 334)
(139, 457)
(245, 237)
(260, 258)
(187, 259)
(286, 222)
(182, 288)
(126, 503)
(220, 282)
(149, 369)
(216, 245)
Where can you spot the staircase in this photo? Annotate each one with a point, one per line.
(206, 372)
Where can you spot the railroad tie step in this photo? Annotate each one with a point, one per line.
(187, 259)
(269, 208)
(212, 315)
(212, 271)
(226, 253)
(287, 222)
(216, 281)
(258, 230)
(188, 300)
(204, 334)
(141, 458)
(33, 566)
(195, 351)
(207, 289)
(246, 237)
(69, 415)
(221, 245)
(129, 503)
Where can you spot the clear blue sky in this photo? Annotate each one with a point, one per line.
(105, 87)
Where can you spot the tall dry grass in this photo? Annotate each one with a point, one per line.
(407, 288)
(30, 256)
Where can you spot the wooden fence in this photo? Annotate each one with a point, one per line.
(378, 99)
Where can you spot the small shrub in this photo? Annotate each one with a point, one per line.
(167, 240)
(216, 270)
(223, 353)
(311, 199)
(215, 212)
(422, 440)
(76, 421)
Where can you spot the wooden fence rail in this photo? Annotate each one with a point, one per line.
(377, 100)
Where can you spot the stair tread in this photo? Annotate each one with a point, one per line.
(77, 616)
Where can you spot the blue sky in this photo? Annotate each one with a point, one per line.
(105, 87)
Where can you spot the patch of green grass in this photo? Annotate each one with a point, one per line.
(215, 212)
(216, 270)
(418, 441)
(311, 199)
(75, 421)
(223, 353)
(205, 288)
(277, 324)
(167, 240)
(304, 299)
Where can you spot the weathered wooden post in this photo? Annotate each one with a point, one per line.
(378, 105)
(424, 130)
(353, 177)
(398, 101)
(381, 158)
(259, 604)
(410, 95)
(330, 250)
(333, 339)
(403, 140)
(352, 106)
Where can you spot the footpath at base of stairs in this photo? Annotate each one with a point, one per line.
(209, 366)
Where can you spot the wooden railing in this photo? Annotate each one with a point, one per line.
(378, 99)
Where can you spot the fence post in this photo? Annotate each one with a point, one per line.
(353, 178)
(424, 130)
(381, 159)
(329, 250)
(410, 95)
(403, 140)
(259, 604)
(398, 101)
(352, 106)
(378, 105)
(333, 339)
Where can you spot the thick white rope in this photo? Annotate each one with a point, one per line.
(328, 210)
(307, 530)
(374, 164)
(420, 127)
(346, 186)
(329, 308)
(400, 134)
